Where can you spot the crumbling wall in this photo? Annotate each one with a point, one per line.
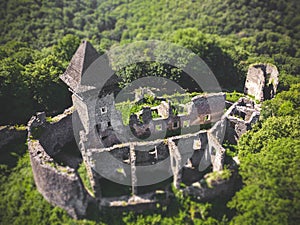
(101, 122)
(217, 152)
(240, 117)
(52, 135)
(196, 147)
(262, 81)
(204, 109)
(60, 185)
(175, 159)
(164, 109)
(220, 188)
(142, 92)
(207, 108)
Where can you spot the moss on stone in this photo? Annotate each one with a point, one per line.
(217, 176)
(82, 171)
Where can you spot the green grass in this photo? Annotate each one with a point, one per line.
(177, 100)
(20, 127)
(253, 98)
(21, 203)
(125, 108)
(234, 96)
(215, 176)
(85, 178)
(11, 152)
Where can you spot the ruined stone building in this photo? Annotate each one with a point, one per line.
(262, 81)
(172, 145)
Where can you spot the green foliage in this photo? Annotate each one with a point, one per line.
(147, 101)
(233, 34)
(229, 35)
(271, 129)
(20, 127)
(66, 48)
(234, 96)
(30, 79)
(14, 93)
(21, 203)
(271, 192)
(220, 54)
(182, 210)
(85, 178)
(44, 73)
(217, 176)
(286, 81)
(125, 109)
(10, 154)
(49, 119)
(231, 150)
(38, 39)
(284, 104)
(155, 114)
(269, 156)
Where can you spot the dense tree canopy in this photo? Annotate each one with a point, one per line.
(272, 183)
(270, 159)
(30, 79)
(38, 39)
(229, 35)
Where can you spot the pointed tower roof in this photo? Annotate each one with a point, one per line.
(85, 55)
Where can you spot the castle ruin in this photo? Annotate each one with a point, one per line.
(180, 146)
(262, 81)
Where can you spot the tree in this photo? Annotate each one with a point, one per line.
(47, 90)
(270, 159)
(285, 103)
(272, 185)
(14, 93)
(66, 48)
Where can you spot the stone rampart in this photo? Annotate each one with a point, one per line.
(60, 185)
(53, 135)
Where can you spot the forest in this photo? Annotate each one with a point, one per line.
(38, 39)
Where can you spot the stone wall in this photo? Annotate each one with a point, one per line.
(179, 149)
(193, 150)
(100, 118)
(239, 118)
(204, 109)
(218, 152)
(52, 135)
(262, 81)
(221, 188)
(63, 187)
(60, 185)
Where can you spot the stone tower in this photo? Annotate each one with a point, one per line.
(262, 81)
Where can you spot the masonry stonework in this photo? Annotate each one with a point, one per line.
(262, 81)
(102, 134)
(60, 185)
